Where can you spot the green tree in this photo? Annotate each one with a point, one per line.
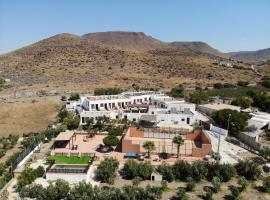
(136, 181)
(74, 96)
(208, 194)
(265, 152)
(181, 194)
(111, 140)
(216, 183)
(72, 122)
(149, 146)
(2, 169)
(166, 171)
(266, 184)
(199, 170)
(198, 97)
(249, 169)
(242, 102)
(84, 191)
(190, 184)
(106, 171)
(145, 170)
(177, 92)
(266, 83)
(237, 121)
(235, 193)
(182, 170)
(243, 182)
(63, 113)
(130, 169)
(178, 141)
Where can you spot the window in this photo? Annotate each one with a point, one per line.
(82, 119)
(153, 113)
(183, 119)
(134, 119)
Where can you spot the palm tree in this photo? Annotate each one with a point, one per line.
(178, 141)
(149, 146)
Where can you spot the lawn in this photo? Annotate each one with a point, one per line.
(70, 160)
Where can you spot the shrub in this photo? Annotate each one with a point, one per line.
(2, 169)
(266, 83)
(249, 169)
(235, 193)
(182, 170)
(111, 140)
(74, 96)
(266, 184)
(166, 171)
(216, 183)
(177, 92)
(181, 194)
(208, 194)
(107, 91)
(218, 85)
(190, 184)
(242, 181)
(199, 170)
(134, 169)
(136, 180)
(242, 102)
(72, 122)
(224, 171)
(116, 131)
(243, 83)
(106, 171)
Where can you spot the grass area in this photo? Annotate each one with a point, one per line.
(70, 160)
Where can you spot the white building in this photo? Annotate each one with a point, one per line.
(140, 106)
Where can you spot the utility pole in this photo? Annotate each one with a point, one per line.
(219, 136)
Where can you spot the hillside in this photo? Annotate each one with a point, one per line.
(135, 41)
(198, 46)
(251, 56)
(67, 61)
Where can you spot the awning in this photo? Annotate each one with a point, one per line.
(64, 136)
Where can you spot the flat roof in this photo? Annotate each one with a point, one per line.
(63, 136)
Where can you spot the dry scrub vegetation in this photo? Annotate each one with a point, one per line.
(29, 116)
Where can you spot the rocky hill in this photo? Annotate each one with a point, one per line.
(84, 62)
(134, 41)
(198, 46)
(251, 56)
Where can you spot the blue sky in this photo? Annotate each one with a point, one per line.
(228, 25)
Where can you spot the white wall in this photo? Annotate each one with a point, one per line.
(71, 178)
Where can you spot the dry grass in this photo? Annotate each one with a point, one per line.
(29, 116)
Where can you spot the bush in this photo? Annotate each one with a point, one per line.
(218, 85)
(216, 183)
(199, 170)
(136, 181)
(182, 170)
(190, 184)
(134, 169)
(208, 194)
(72, 122)
(111, 140)
(224, 171)
(243, 83)
(266, 184)
(266, 83)
(106, 171)
(242, 181)
(2, 169)
(249, 169)
(177, 92)
(74, 97)
(198, 97)
(28, 175)
(107, 91)
(235, 193)
(242, 102)
(63, 113)
(166, 171)
(181, 194)
(116, 131)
